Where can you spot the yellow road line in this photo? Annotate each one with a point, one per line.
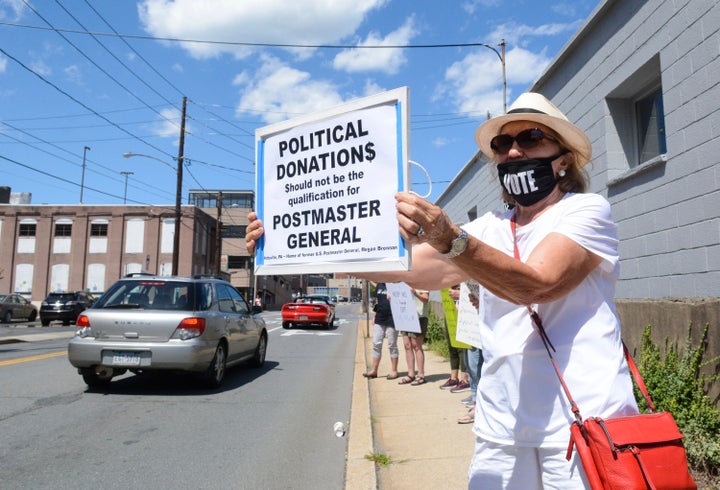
(33, 358)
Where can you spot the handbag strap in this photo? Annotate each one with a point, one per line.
(537, 322)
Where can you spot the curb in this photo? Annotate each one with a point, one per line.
(360, 472)
(36, 337)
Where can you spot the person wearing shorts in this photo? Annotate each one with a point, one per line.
(413, 341)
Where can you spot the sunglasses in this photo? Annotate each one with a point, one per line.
(526, 139)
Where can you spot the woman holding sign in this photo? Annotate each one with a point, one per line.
(557, 250)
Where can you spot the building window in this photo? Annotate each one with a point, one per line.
(650, 122)
(233, 231)
(472, 214)
(229, 199)
(635, 133)
(238, 262)
(99, 229)
(27, 229)
(63, 230)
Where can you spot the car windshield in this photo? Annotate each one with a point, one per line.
(54, 298)
(154, 294)
(3, 297)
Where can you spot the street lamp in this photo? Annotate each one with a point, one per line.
(126, 174)
(501, 55)
(82, 180)
(178, 202)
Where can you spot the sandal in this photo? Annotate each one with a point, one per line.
(468, 418)
(406, 380)
(420, 380)
(370, 375)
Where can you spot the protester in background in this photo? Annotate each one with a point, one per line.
(258, 300)
(413, 342)
(473, 362)
(458, 380)
(383, 326)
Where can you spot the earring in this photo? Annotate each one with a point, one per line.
(561, 173)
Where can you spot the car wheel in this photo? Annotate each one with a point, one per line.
(45, 323)
(287, 325)
(331, 324)
(97, 377)
(259, 358)
(33, 316)
(7, 318)
(216, 370)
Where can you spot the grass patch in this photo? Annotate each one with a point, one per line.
(379, 459)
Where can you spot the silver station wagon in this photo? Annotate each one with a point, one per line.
(143, 322)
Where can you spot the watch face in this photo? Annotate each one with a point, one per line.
(459, 244)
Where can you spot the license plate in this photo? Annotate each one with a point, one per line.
(303, 317)
(126, 358)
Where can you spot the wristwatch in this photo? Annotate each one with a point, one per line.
(458, 245)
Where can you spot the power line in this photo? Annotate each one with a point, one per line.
(74, 99)
(250, 44)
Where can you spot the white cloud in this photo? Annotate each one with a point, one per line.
(307, 22)
(472, 5)
(73, 74)
(278, 91)
(372, 59)
(169, 124)
(3, 63)
(474, 84)
(40, 67)
(11, 9)
(372, 88)
(522, 34)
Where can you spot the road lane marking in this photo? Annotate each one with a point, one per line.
(304, 332)
(33, 358)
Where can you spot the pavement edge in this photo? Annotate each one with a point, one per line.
(360, 472)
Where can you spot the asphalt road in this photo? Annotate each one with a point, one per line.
(265, 428)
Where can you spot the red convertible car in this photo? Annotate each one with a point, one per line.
(309, 310)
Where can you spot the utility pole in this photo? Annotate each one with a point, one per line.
(178, 193)
(82, 180)
(218, 234)
(502, 60)
(501, 54)
(126, 174)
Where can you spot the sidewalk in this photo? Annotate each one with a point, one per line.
(415, 426)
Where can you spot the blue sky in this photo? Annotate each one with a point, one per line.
(108, 75)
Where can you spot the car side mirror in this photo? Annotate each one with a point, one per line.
(256, 309)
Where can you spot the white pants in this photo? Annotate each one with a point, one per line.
(379, 332)
(497, 466)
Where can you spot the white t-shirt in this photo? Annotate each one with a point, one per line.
(520, 400)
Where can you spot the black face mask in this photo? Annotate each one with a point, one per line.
(528, 181)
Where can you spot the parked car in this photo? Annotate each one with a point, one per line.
(312, 309)
(64, 307)
(145, 323)
(15, 306)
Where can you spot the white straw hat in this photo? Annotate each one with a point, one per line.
(535, 107)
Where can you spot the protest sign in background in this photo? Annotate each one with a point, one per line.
(468, 322)
(451, 319)
(325, 188)
(402, 304)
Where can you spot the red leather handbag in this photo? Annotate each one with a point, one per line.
(637, 452)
